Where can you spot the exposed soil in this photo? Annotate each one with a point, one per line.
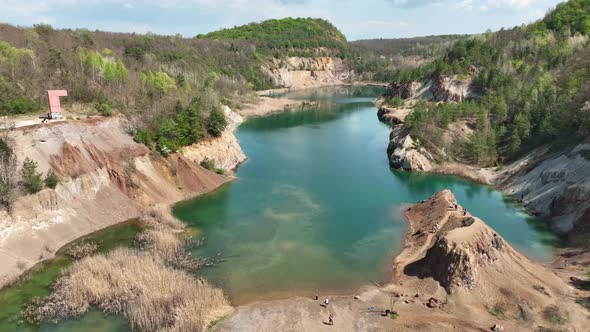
(105, 178)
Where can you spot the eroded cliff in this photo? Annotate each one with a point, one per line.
(302, 73)
(105, 178)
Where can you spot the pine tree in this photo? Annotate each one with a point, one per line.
(31, 179)
(217, 122)
(51, 180)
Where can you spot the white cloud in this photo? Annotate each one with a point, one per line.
(466, 5)
(510, 3)
(484, 6)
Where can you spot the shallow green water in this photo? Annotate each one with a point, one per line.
(37, 283)
(317, 207)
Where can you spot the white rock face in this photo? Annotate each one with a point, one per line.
(301, 73)
(225, 151)
(557, 188)
(405, 153)
(441, 89)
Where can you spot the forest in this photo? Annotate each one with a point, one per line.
(159, 81)
(533, 81)
(288, 36)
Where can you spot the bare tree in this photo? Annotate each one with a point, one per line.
(8, 165)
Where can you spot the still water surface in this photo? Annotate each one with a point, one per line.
(316, 206)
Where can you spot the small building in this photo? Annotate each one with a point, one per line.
(54, 104)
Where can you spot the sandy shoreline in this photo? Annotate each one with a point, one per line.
(406, 294)
(267, 105)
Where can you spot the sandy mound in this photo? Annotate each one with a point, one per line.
(473, 271)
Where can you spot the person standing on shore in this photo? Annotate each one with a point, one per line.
(326, 302)
(330, 320)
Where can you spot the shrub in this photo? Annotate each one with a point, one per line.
(83, 249)
(143, 136)
(554, 315)
(216, 123)
(208, 164)
(31, 179)
(104, 109)
(395, 102)
(19, 105)
(51, 180)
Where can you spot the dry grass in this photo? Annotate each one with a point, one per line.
(160, 217)
(83, 249)
(152, 286)
(161, 241)
(152, 295)
(172, 248)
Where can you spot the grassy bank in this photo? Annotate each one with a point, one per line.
(36, 282)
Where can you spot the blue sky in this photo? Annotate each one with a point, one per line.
(356, 19)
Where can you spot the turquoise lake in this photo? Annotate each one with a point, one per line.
(316, 208)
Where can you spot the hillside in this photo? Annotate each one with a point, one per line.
(295, 36)
(171, 88)
(532, 81)
(494, 98)
(405, 53)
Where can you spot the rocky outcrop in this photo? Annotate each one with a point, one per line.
(106, 178)
(406, 153)
(308, 72)
(224, 151)
(392, 115)
(555, 186)
(441, 89)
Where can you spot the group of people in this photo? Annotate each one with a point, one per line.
(455, 206)
(325, 305)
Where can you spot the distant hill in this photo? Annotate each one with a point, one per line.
(286, 34)
(428, 46)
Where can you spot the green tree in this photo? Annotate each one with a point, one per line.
(216, 123)
(159, 81)
(30, 179)
(51, 179)
(13, 55)
(104, 109)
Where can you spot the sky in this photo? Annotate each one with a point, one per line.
(356, 19)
